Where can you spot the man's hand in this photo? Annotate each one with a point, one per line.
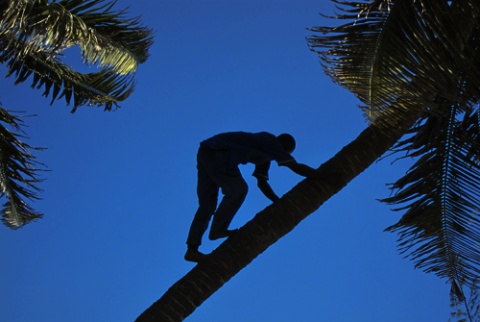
(266, 189)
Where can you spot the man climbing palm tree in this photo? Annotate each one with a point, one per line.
(217, 163)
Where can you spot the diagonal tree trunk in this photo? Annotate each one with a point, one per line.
(283, 216)
(276, 221)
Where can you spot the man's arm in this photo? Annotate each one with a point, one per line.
(266, 189)
(302, 169)
(307, 171)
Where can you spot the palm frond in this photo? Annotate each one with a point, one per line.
(105, 37)
(18, 173)
(441, 225)
(35, 34)
(105, 88)
(390, 48)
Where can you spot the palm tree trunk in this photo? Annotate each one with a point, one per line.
(276, 221)
(280, 218)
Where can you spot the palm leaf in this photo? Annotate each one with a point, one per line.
(389, 49)
(105, 37)
(35, 34)
(18, 173)
(441, 225)
(105, 88)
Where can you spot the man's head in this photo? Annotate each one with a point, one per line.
(287, 142)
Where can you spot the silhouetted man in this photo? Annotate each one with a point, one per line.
(217, 163)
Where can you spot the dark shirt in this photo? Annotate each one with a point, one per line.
(242, 147)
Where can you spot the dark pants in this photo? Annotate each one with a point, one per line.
(211, 178)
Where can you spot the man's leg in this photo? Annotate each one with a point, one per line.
(234, 189)
(207, 192)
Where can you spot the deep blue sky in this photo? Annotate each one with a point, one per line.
(120, 196)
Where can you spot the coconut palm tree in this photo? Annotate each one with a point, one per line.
(34, 37)
(414, 65)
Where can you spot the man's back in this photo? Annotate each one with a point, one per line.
(247, 147)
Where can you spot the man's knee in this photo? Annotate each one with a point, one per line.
(235, 190)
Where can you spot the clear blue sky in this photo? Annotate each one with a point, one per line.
(120, 196)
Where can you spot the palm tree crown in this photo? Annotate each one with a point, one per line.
(34, 35)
